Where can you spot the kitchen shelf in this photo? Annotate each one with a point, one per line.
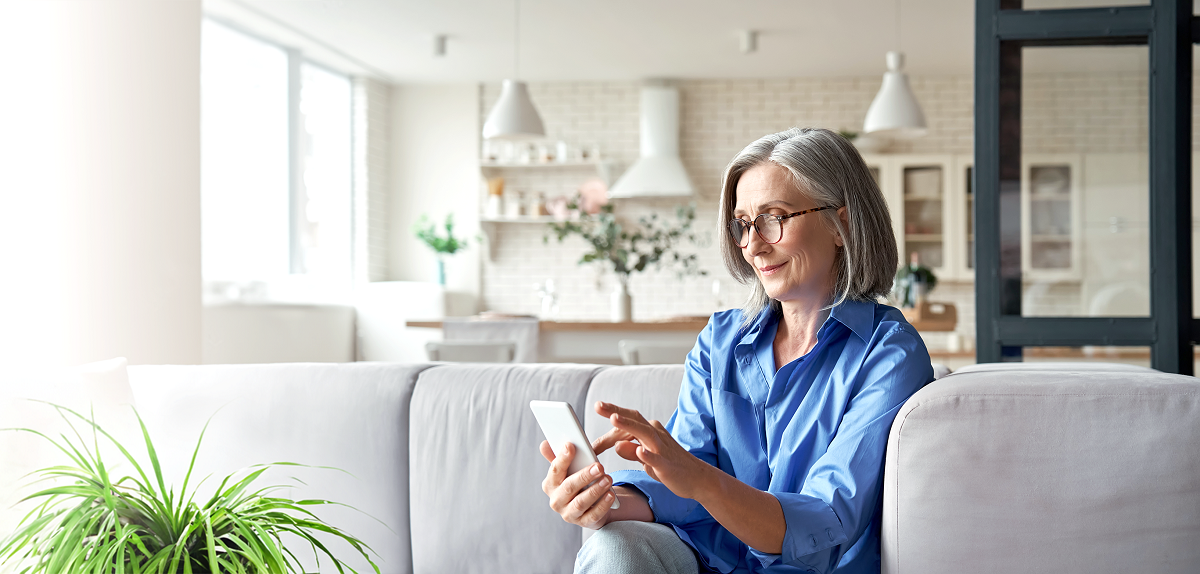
(539, 164)
(521, 219)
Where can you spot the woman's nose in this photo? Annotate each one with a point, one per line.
(754, 242)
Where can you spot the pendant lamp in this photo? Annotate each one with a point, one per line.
(514, 117)
(895, 111)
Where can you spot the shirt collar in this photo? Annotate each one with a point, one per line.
(858, 316)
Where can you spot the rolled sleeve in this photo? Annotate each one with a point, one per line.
(813, 531)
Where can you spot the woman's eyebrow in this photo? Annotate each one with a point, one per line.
(765, 206)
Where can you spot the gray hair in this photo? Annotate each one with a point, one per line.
(829, 171)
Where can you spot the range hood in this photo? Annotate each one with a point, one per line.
(659, 172)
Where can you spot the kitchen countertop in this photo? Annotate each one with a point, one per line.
(694, 324)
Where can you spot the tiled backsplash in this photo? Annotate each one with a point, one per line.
(719, 118)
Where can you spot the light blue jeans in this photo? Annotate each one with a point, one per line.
(632, 547)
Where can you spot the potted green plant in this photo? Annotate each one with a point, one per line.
(89, 521)
(426, 231)
(631, 249)
(913, 282)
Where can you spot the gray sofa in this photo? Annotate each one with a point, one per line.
(1051, 468)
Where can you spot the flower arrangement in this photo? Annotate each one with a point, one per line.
(626, 250)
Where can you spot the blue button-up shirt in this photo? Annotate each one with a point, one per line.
(812, 433)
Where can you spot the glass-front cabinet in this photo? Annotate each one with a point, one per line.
(1050, 217)
(932, 203)
(921, 201)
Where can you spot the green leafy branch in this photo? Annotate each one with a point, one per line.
(136, 524)
(426, 231)
(632, 250)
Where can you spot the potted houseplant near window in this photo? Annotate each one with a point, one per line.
(427, 232)
(90, 521)
(628, 250)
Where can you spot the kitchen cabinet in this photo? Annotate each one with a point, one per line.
(931, 199)
(924, 209)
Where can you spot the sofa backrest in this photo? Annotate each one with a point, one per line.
(348, 416)
(477, 503)
(1045, 471)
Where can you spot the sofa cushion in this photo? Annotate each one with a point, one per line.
(1045, 471)
(349, 416)
(477, 501)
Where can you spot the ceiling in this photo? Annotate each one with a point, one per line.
(564, 40)
(613, 39)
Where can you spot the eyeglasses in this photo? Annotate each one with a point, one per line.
(769, 227)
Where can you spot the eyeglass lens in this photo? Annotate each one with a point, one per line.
(769, 229)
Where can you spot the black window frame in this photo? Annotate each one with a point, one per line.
(1002, 29)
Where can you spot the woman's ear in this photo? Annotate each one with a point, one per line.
(845, 217)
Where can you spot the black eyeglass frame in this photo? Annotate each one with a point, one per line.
(755, 223)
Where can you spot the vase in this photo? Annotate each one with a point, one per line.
(441, 271)
(622, 303)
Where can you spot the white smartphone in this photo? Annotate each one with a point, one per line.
(561, 426)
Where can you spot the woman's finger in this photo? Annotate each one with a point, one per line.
(648, 457)
(608, 439)
(584, 500)
(607, 410)
(561, 462)
(596, 513)
(628, 451)
(547, 452)
(646, 434)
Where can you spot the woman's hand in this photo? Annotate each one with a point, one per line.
(570, 496)
(661, 456)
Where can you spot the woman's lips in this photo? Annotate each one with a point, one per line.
(770, 269)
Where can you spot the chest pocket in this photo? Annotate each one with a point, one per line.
(739, 438)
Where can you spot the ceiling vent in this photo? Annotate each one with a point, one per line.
(659, 172)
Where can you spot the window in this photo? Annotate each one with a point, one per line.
(276, 201)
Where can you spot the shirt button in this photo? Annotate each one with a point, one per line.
(829, 533)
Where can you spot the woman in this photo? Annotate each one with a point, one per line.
(773, 459)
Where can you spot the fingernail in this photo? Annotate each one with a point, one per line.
(608, 497)
(605, 481)
(595, 470)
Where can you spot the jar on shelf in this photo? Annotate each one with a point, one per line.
(513, 204)
(535, 204)
(495, 199)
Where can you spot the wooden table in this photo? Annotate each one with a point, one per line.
(596, 341)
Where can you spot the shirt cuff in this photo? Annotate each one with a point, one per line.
(668, 507)
(812, 528)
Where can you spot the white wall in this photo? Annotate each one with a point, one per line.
(100, 181)
(435, 169)
(278, 334)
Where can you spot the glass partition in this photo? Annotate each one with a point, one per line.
(1084, 182)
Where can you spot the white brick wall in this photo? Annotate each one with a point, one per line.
(1076, 113)
(372, 124)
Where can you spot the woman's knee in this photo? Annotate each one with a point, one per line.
(631, 547)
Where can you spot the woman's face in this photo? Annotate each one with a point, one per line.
(800, 266)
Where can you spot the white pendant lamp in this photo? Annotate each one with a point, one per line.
(514, 117)
(895, 112)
